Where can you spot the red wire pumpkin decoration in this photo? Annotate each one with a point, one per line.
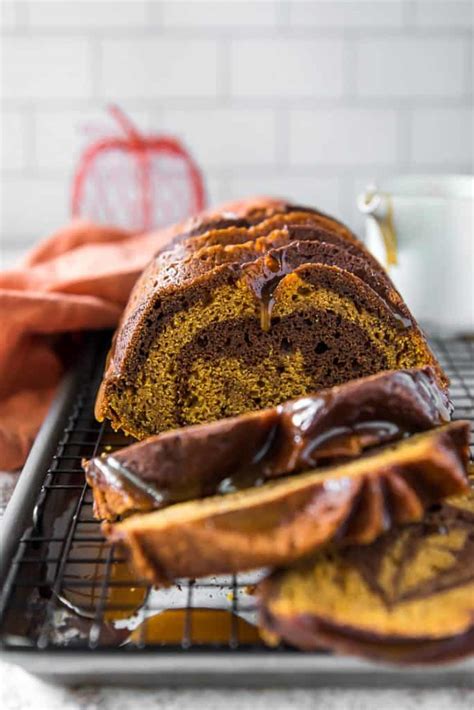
(135, 181)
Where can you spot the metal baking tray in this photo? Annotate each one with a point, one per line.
(72, 612)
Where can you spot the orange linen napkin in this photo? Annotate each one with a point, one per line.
(78, 279)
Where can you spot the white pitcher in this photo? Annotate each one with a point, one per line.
(422, 229)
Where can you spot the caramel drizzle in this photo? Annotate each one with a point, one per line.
(264, 278)
(208, 626)
(264, 283)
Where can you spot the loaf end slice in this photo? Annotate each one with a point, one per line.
(408, 597)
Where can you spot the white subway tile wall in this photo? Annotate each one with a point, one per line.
(440, 136)
(286, 68)
(343, 136)
(347, 14)
(226, 137)
(86, 15)
(157, 68)
(305, 98)
(46, 67)
(406, 67)
(225, 15)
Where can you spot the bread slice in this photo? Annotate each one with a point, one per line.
(235, 453)
(286, 519)
(408, 597)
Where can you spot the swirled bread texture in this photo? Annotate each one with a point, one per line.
(242, 312)
(408, 597)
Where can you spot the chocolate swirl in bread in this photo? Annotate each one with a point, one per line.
(236, 319)
(408, 597)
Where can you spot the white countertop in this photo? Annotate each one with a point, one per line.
(20, 691)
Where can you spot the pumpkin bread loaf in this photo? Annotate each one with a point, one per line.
(238, 314)
(238, 452)
(408, 597)
(288, 518)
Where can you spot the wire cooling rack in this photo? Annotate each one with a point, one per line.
(68, 589)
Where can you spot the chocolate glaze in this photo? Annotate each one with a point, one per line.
(265, 274)
(236, 453)
(289, 518)
(196, 256)
(251, 218)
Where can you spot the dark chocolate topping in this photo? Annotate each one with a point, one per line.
(252, 218)
(335, 424)
(291, 517)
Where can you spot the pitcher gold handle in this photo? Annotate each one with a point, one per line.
(379, 206)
